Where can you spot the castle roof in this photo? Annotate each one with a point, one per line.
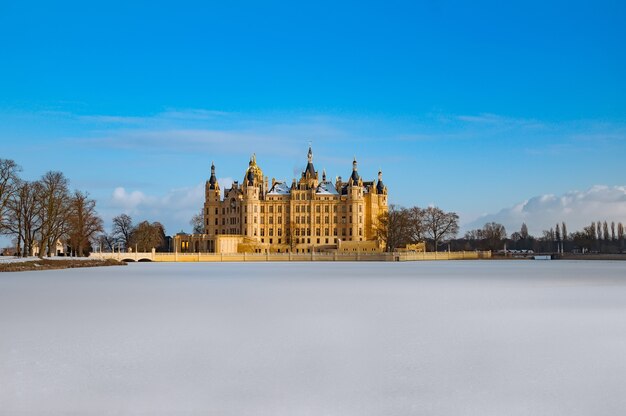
(280, 188)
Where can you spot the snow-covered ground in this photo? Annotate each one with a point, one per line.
(424, 338)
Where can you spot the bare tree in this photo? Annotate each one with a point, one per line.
(613, 231)
(415, 217)
(9, 183)
(605, 231)
(84, 222)
(493, 234)
(393, 227)
(440, 225)
(524, 231)
(146, 236)
(54, 208)
(24, 220)
(197, 222)
(123, 229)
(106, 241)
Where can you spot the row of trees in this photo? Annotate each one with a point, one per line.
(401, 226)
(600, 236)
(125, 235)
(39, 213)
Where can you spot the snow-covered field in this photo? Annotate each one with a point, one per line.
(426, 338)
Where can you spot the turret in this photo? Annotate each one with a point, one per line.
(380, 186)
(213, 180)
(354, 178)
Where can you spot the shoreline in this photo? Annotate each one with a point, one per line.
(55, 264)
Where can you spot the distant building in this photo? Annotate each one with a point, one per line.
(307, 215)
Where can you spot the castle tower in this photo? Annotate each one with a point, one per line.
(211, 203)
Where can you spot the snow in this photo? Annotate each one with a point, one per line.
(326, 188)
(280, 188)
(441, 338)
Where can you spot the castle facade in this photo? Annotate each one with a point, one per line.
(311, 214)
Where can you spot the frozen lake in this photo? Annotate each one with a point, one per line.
(441, 338)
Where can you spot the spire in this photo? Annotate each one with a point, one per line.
(355, 175)
(323, 175)
(309, 166)
(213, 179)
(380, 186)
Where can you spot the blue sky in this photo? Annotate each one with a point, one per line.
(478, 107)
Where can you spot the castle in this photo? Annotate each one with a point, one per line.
(308, 215)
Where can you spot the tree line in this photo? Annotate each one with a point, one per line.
(600, 236)
(37, 214)
(125, 235)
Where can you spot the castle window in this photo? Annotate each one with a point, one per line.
(262, 232)
(297, 231)
(317, 209)
(271, 232)
(318, 241)
(317, 219)
(326, 209)
(350, 232)
(262, 209)
(255, 220)
(271, 208)
(255, 208)
(280, 209)
(326, 220)
(334, 208)
(280, 220)
(335, 219)
(223, 211)
(350, 208)
(216, 221)
(223, 221)
(297, 208)
(360, 208)
(271, 219)
(308, 232)
(343, 232)
(262, 219)
(317, 231)
(279, 242)
(360, 231)
(280, 232)
(216, 211)
(360, 219)
(326, 232)
(334, 231)
(308, 209)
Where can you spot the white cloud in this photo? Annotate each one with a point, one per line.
(576, 208)
(174, 209)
